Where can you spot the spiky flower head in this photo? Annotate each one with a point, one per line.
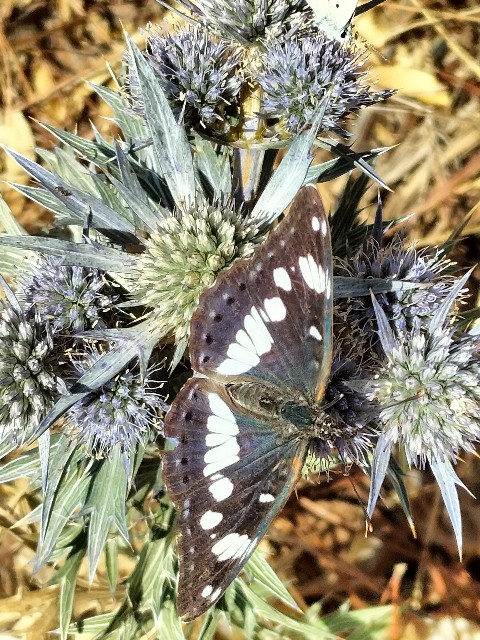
(123, 412)
(428, 395)
(395, 262)
(69, 299)
(29, 384)
(297, 74)
(349, 413)
(201, 76)
(183, 257)
(248, 20)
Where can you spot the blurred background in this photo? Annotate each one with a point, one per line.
(430, 51)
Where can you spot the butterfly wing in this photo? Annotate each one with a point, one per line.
(229, 477)
(333, 16)
(270, 318)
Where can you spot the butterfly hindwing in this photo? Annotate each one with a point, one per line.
(270, 318)
(229, 477)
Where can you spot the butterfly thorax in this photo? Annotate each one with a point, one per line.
(294, 413)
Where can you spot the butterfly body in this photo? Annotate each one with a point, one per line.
(261, 340)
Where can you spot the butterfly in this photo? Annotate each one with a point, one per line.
(261, 338)
(333, 17)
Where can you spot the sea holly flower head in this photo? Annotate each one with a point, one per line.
(349, 412)
(123, 412)
(245, 21)
(428, 395)
(295, 76)
(29, 379)
(69, 299)
(200, 75)
(395, 262)
(183, 257)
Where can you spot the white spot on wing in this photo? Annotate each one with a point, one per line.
(275, 309)
(222, 421)
(213, 467)
(282, 279)
(233, 545)
(215, 439)
(207, 591)
(324, 227)
(215, 594)
(221, 489)
(266, 497)
(315, 333)
(249, 345)
(210, 519)
(225, 451)
(315, 223)
(312, 273)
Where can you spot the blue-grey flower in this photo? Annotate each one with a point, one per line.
(245, 21)
(29, 380)
(349, 415)
(395, 262)
(428, 393)
(296, 75)
(69, 299)
(125, 411)
(202, 77)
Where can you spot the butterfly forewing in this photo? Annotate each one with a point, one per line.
(270, 318)
(233, 475)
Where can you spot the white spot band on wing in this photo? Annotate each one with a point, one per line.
(210, 519)
(312, 273)
(275, 309)
(249, 345)
(233, 545)
(282, 279)
(221, 489)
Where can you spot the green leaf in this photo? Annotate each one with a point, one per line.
(111, 562)
(380, 460)
(214, 167)
(82, 205)
(170, 141)
(97, 153)
(331, 169)
(395, 475)
(289, 176)
(72, 253)
(67, 577)
(265, 582)
(366, 624)
(345, 152)
(66, 492)
(106, 505)
(347, 287)
(447, 481)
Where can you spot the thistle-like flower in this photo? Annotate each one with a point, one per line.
(247, 20)
(125, 411)
(428, 394)
(183, 257)
(350, 413)
(297, 74)
(69, 299)
(406, 309)
(29, 384)
(201, 77)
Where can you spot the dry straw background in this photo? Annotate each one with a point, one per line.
(430, 51)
